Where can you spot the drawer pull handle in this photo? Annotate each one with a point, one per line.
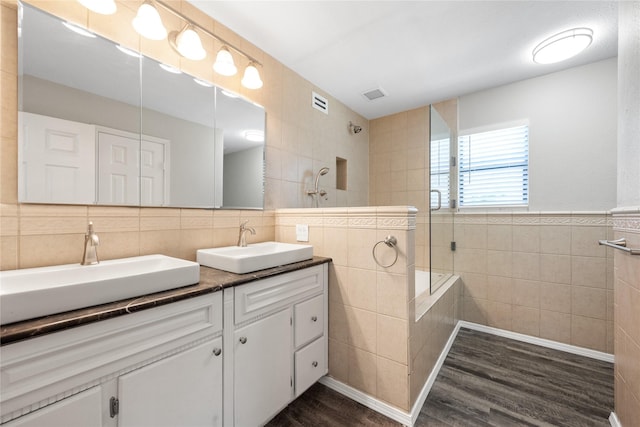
(217, 351)
(315, 364)
(314, 318)
(243, 340)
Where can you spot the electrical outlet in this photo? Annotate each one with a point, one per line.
(302, 232)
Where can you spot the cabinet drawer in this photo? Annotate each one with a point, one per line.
(310, 364)
(308, 320)
(268, 295)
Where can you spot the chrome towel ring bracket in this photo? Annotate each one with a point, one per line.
(391, 242)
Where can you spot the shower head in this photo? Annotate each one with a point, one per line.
(324, 171)
(355, 128)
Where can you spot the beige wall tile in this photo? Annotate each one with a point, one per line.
(115, 245)
(363, 371)
(50, 249)
(555, 326)
(589, 302)
(526, 238)
(338, 325)
(555, 268)
(392, 338)
(588, 332)
(499, 315)
(392, 295)
(361, 326)
(526, 265)
(584, 241)
(165, 242)
(499, 263)
(526, 293)
(393, 383)
(526, 320)
(500, 289)
(555, 239)
(499, 237)
(339, 360)
(361, 289)
(475, 310)
(555, 297)
(589, 271)
(475, 285)
(8, 252)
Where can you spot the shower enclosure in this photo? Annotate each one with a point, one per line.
(442, 137)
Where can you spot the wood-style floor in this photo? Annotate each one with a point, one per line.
(486, 380)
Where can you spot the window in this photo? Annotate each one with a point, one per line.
(440, 171)
(494, 168)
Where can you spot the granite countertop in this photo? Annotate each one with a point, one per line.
(211, 280)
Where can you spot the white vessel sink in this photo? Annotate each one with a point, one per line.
(35, 292)
(254, 257)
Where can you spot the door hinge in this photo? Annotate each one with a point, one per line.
(291, 321)
(453, 203)
(114, 406)
(454, 161)
(291, 381)
(453, 246)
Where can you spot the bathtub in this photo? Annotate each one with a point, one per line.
(423, 298)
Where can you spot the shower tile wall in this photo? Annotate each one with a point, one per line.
(300, 140)
(538, 274)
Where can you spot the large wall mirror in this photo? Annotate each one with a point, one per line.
(101, 125)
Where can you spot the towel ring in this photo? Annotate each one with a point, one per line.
(390, 241)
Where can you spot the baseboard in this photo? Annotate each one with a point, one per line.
(581, 351)
(368, 401)
(613, 420)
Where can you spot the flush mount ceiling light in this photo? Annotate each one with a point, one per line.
(251, 78)
(254, 135)
(148, 24)
(224, 63)
(229, 94)
(187, 43)
(79, 30)
(562, 46)
(103, 7)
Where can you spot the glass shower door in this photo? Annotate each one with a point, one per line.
(441, 216)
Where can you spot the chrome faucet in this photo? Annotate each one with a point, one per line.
(242, 239)
(317, 193)
(91, 242)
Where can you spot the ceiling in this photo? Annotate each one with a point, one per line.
(418, 52)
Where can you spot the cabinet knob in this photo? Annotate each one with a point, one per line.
(243, 340)
(315, 364)
(217, 351)
(314, 318)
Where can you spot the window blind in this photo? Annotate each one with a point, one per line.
(494, 167)
(440, 171)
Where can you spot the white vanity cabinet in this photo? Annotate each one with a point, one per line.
(161, 366)
(278, 327)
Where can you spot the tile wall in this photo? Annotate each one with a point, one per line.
(300, 140)
(540, 274)
(368, 305)
(375, 345)
(627, 315)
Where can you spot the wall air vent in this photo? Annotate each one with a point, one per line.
(376, 93)
(319, 103)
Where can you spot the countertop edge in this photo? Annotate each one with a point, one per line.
(211, 280)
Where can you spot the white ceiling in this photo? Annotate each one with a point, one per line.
(419, 52)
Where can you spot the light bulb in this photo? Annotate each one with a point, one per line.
(187, 43)
(224, 63)
(251, 78)
(148, 24)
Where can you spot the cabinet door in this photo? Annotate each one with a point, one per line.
(80, 410)
(262, 372)
(181, 390)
